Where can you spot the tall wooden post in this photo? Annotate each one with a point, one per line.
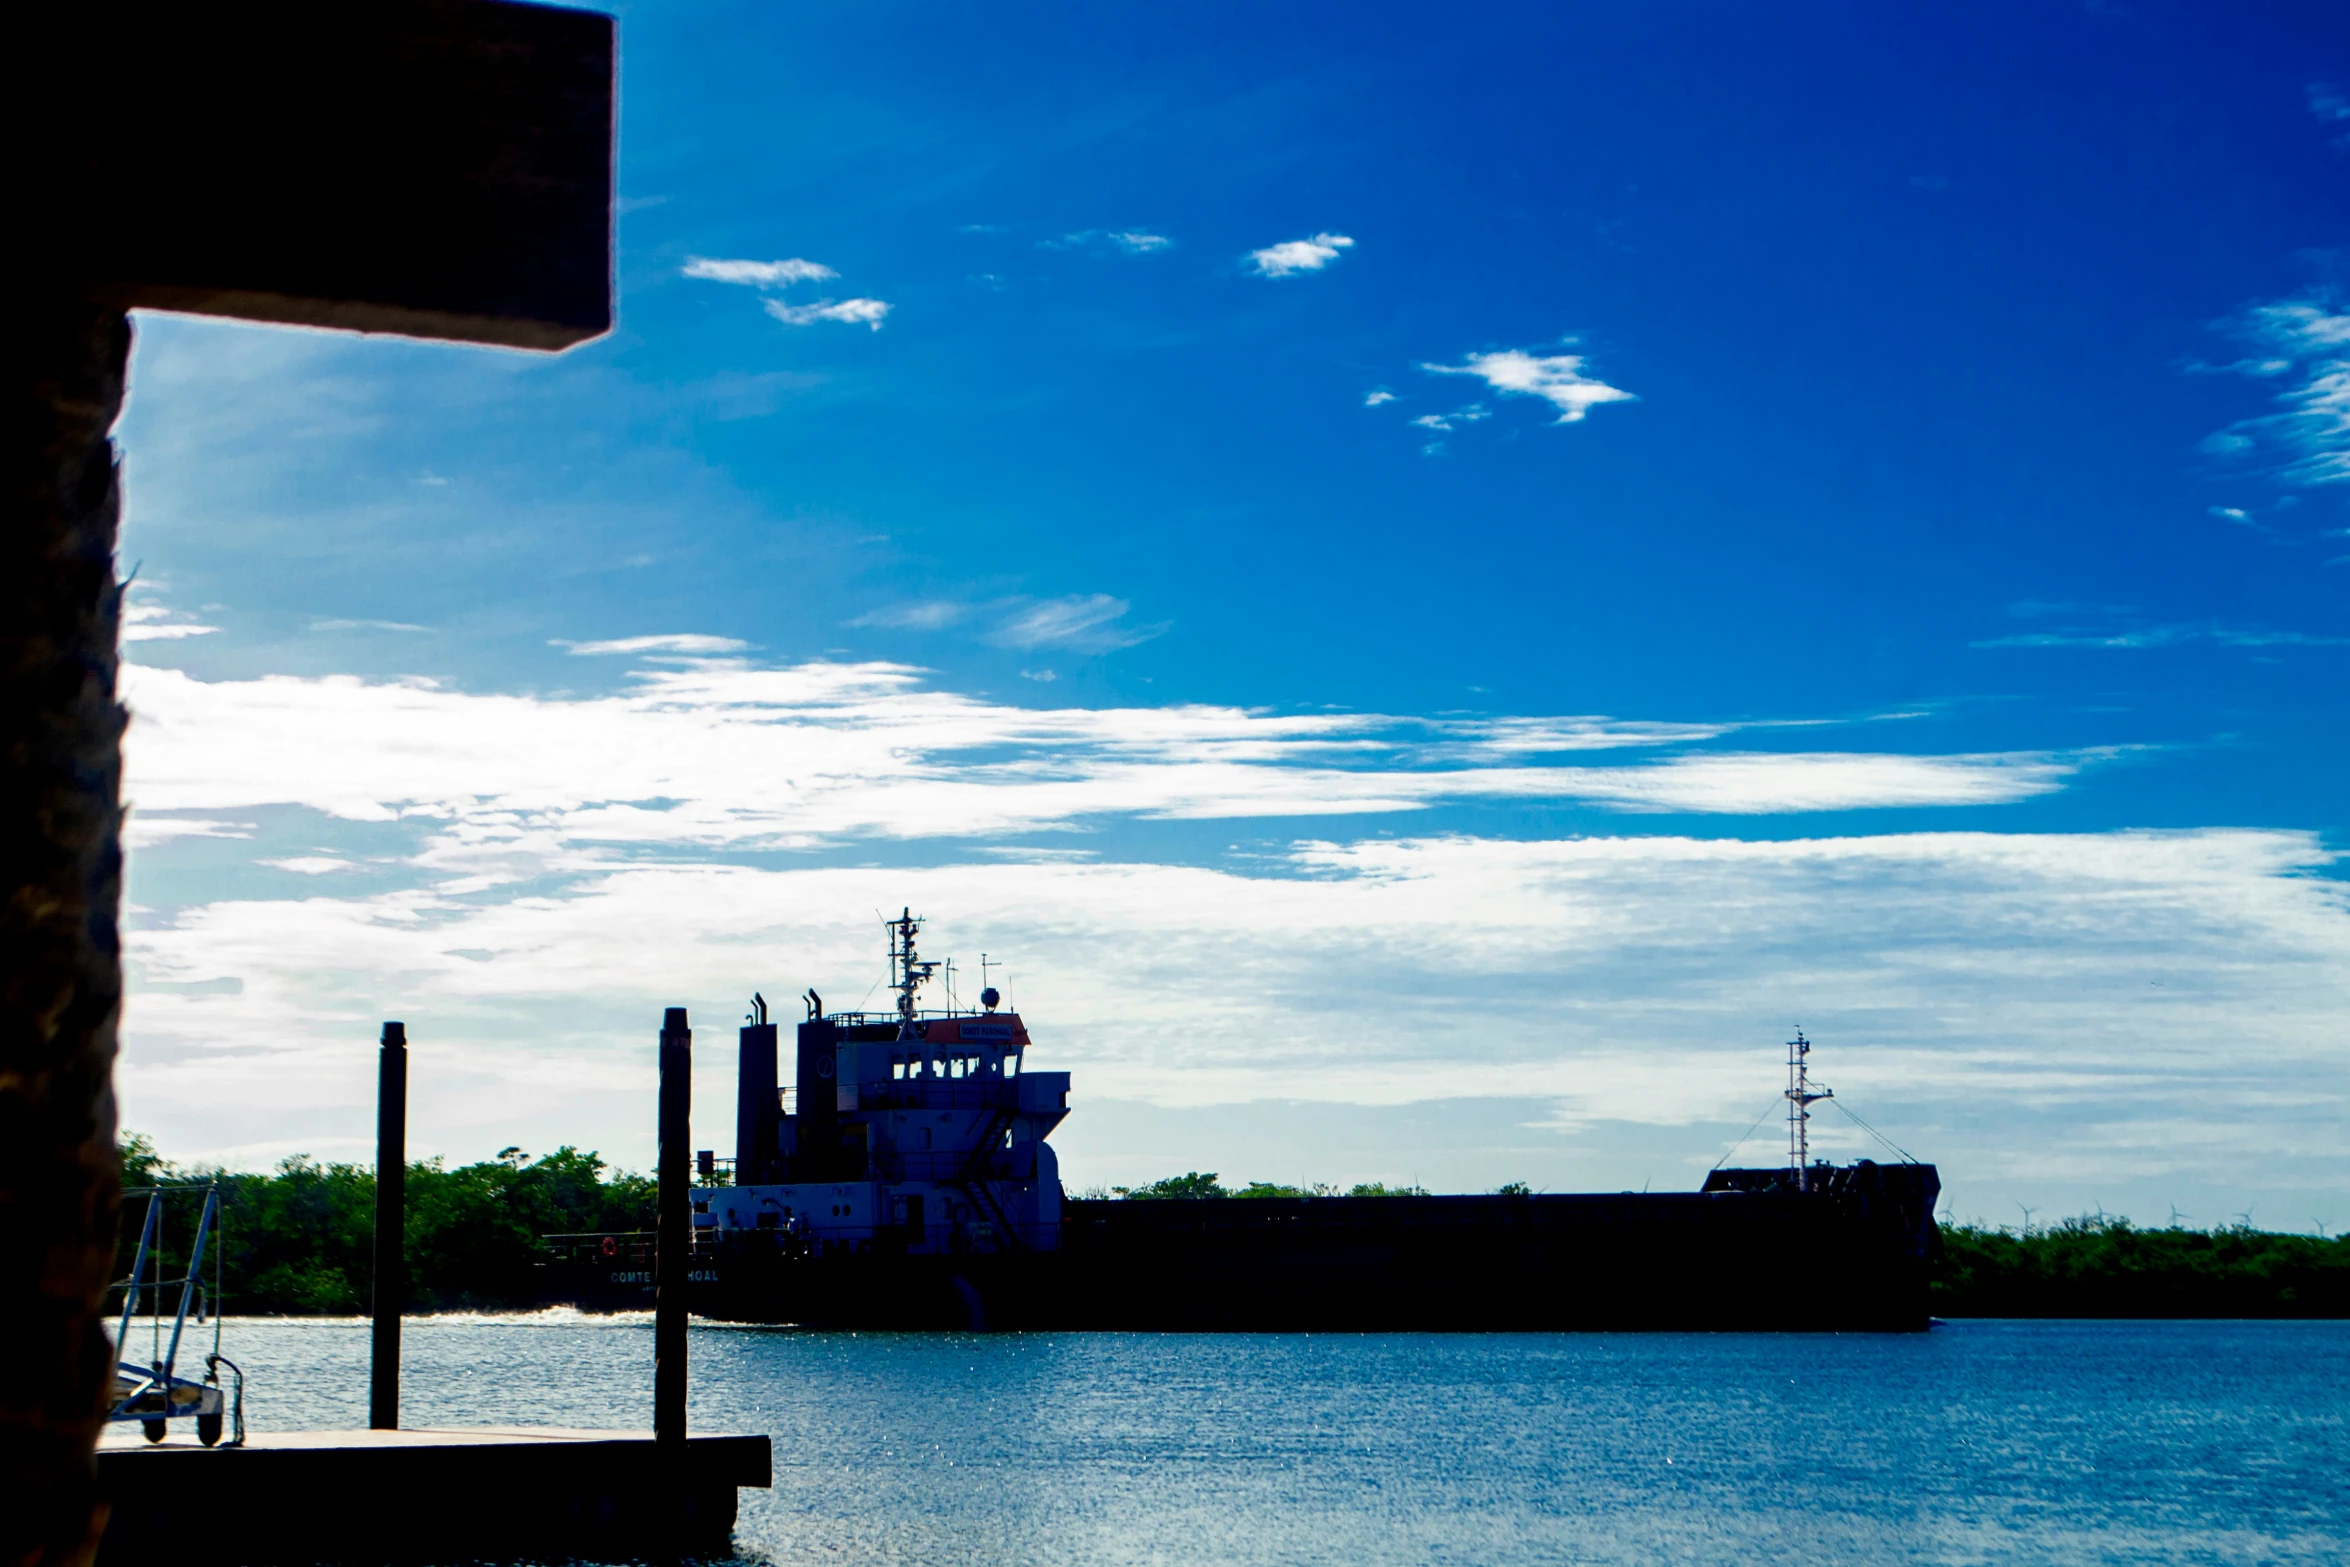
(391, 1221)
(673, 1240)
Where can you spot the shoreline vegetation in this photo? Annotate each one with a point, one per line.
(298, 1241)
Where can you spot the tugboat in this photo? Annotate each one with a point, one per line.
(905, 1181)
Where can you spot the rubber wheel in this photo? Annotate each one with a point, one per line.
(208, 1429)
(155, 1429)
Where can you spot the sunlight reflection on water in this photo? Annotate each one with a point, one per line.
(2038, 1442)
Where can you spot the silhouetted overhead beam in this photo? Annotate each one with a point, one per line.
(434, 168)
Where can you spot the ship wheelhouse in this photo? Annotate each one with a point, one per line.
(913, 1132)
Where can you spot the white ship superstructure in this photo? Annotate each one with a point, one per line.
(912, 1132)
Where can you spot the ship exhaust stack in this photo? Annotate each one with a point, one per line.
(756, 1107)
(818, 1100)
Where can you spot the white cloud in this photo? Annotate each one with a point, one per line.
(2165, 636)
(1293, 256)
(715, 755)
(690, 644)
(1374, 399)
(542, 875)
(149, 622)
(1130, 242)
(141, 832)
(1557, 379)
(2078, 982)
(782, 274)
(850, 312)
(366, 625)
(927, 615)
(758, 274)
(2235, 514)
(1084, 622)
(2306, 342)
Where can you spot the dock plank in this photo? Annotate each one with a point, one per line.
(383, 1495)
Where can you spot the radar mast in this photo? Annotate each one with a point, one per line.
(1802, 1094)
(907, 972)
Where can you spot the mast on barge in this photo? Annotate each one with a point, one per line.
(907, 973)
(1802, 1094)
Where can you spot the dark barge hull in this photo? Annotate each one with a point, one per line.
(1750, 1253)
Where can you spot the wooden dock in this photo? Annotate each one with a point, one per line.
(375, 1495)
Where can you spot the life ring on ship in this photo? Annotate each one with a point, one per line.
(611, 1247)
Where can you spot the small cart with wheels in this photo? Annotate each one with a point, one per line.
(154, 1394)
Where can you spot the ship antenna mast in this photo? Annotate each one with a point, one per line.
(1802, 1094)
(907, 972)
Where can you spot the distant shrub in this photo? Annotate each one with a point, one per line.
(1276, 1189)
(300, 1240)
(1190, 1184)
(2108, 1267)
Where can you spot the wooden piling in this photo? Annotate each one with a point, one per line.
(391, 1209)
(673, 1239)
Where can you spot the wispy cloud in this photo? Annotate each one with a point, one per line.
(1374, 399)
(366, 625)
(713, 751)
(851, 312)
(146, 621)
(2164, 636)
(758, 274)
(2331, 104)
(521, 875)
(687, 644)
(1081, 622)
(1125, 242)
(2306, 344)
(1557, 379)
(765, 275)
(926, 615)
(1293, 256)
(2080, 978)
(1458, 417)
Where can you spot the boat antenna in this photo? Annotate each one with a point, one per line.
(1802, 1094)
(907, 971)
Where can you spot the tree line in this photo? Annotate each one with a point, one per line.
(299, 1241)
(2100, 1266)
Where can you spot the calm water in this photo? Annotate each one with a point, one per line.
(1980, 1442)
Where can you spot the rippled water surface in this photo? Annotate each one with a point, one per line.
(1979, 1442)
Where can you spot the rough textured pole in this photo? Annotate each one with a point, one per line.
(60, 888)
(391, 1227)
(674, 1238)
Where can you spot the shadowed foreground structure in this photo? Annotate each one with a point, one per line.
(437, 168)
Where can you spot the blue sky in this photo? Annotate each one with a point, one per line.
(1437, 583)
